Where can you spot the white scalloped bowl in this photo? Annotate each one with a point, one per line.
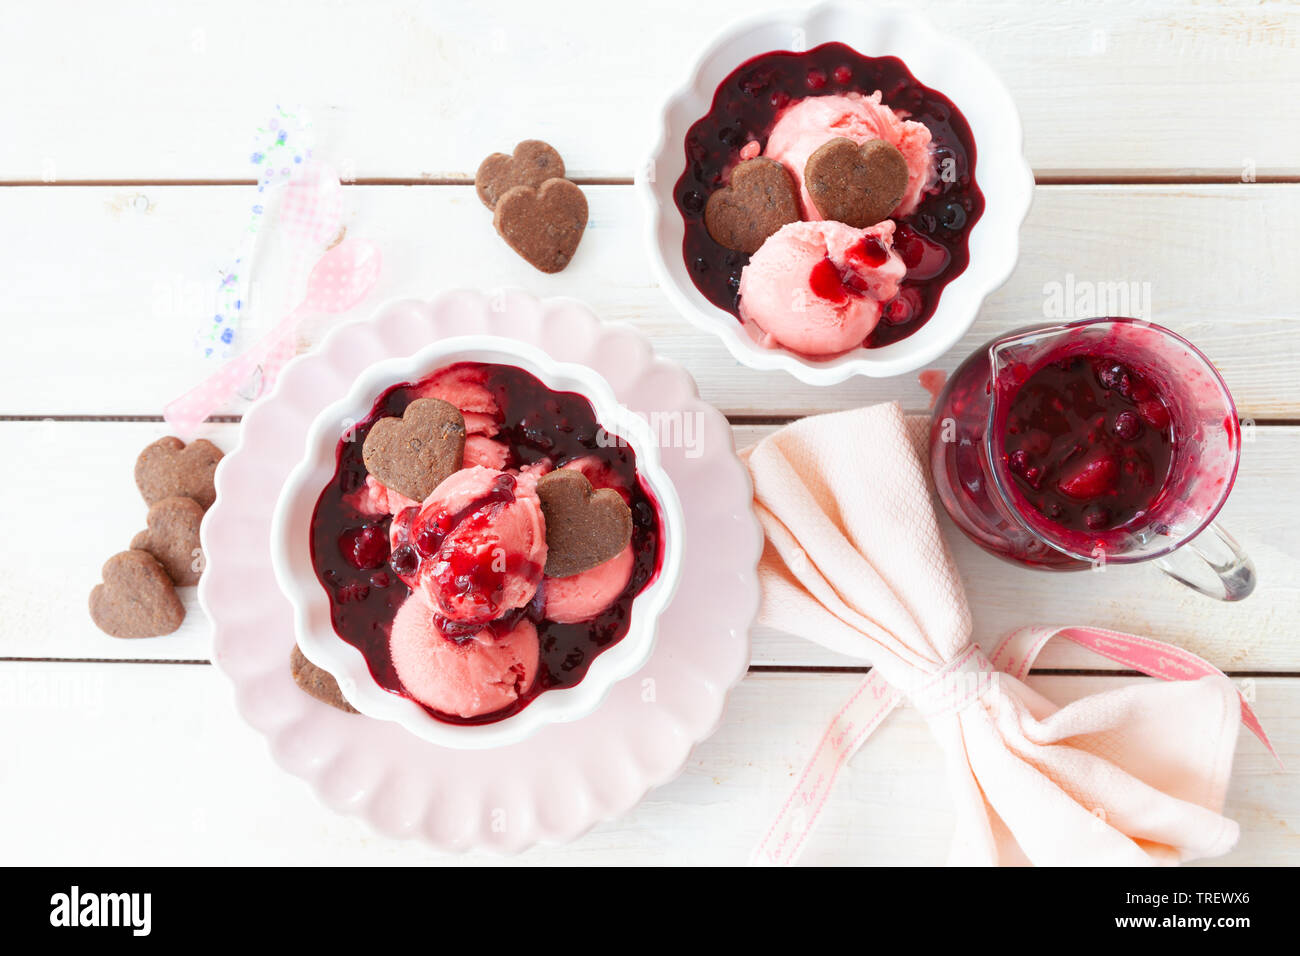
(291, 558)
(940, 62)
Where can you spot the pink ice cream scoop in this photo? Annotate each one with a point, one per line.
(475, 548)
(818, 287)
(373, 498)
(465, 386)
(485, 452)
(477, 675)
(528, 475)
(580, 597)
(804, 126)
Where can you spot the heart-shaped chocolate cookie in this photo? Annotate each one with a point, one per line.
(317, 682)
(759, 200)
(172, 537)
(584, 527)
(532, 163)
(856, 185)
(543, 224)
(169, 468)
(137, 598)
(413, 454)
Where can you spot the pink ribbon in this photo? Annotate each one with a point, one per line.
(308, 217)
(961, 682)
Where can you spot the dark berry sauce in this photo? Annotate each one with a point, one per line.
(1089, 443)
(932, 241)
(364, 596)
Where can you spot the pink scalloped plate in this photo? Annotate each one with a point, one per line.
(568, 777)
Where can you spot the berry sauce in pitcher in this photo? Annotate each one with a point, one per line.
(1088, 442)
(1095, 442)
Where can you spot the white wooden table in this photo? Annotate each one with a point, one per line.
(1166, 142)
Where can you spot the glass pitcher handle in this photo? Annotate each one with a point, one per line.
(1212, 563)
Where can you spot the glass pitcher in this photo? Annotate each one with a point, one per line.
(990, 492)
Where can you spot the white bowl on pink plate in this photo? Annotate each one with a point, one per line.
(291, 558)
(566, 777)
(940, 62)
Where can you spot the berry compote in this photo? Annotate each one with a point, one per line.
(364, 582)
(1088, 442)
(1100, 441)
(932, 240)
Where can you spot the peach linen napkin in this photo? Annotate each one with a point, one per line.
(855, 562)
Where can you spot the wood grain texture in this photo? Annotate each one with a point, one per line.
(185, 781)
(81, 506)
(426, 90)
(110, 283)
(85, 529)
(104, 285)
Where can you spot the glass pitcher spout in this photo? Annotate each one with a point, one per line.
(1025, 347)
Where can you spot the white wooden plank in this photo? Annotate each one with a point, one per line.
(183, 780)
(399, 89)
(72, 509)
(45, 578)
(104, 286)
